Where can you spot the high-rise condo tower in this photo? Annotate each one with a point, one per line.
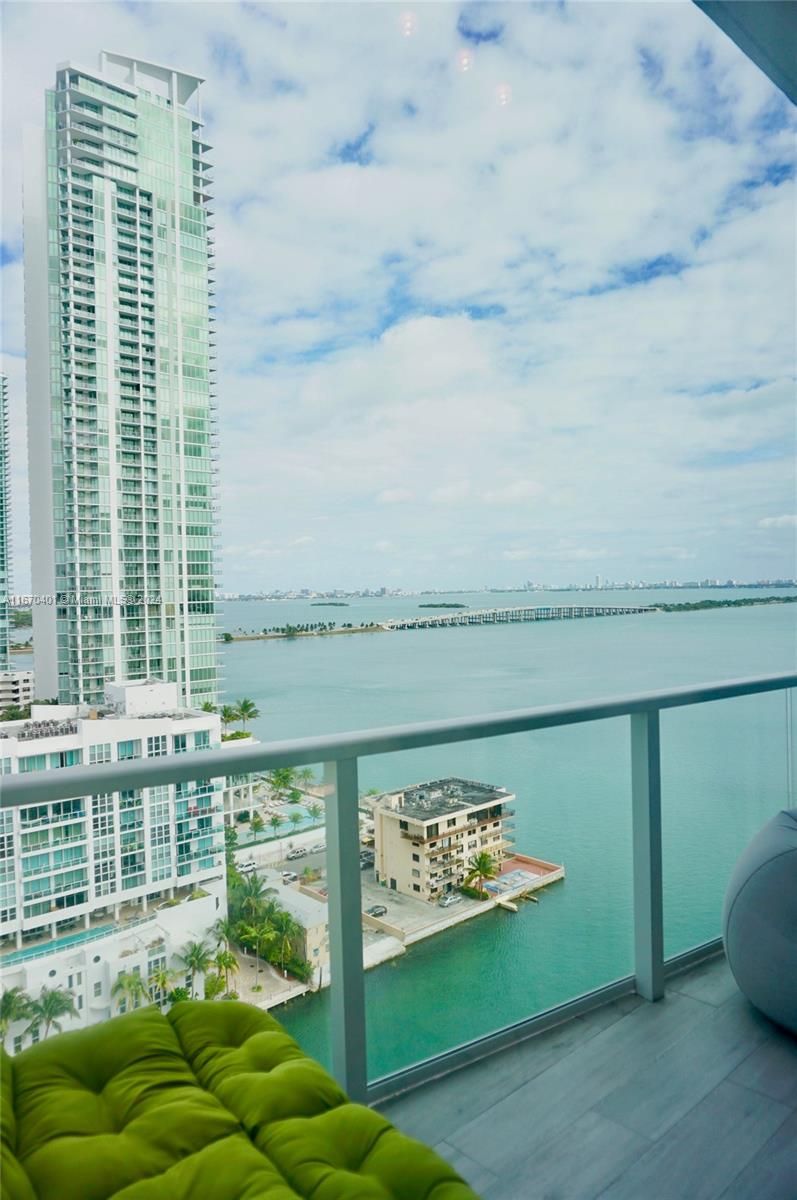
(121, 414)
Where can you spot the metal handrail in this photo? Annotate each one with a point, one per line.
(266, 756)
(340, 754)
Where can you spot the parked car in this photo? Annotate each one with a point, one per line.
(318, 848)
(366, 864)
(247, 868)
(289, 877)
(376, 910)
(448, 899)
(297, 853)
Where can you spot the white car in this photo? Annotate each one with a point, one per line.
(289, 877)
(293, 854)
(318, 848)
(448, 899)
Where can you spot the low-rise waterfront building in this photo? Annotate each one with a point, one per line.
(16, 689)
(426, 835)
(100, 884)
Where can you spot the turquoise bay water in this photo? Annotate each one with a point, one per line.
(724, 774)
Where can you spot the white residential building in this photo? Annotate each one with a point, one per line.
(114, 881)
(16, 688)
(425, 835)
(121, 415)
(5, 529)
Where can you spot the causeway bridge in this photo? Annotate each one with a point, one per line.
(506, 616)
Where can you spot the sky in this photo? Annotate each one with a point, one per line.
(505, 291)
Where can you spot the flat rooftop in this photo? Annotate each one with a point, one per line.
(443, 797)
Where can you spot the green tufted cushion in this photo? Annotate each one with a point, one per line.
(213, 1101)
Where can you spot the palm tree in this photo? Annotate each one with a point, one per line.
(228, 714)
(52, 1004)
(296, 820)
(14, 1006)
(257, 935)
(214, 986)
(257, 824)
(247, 711)
(315, 810)
(481, 867)
(196, 958)
(275, 821)
(161, 980)
(286, 929)
(306, 777)
(250, 895)
(208, 707)
(226, 964)
(282, 780)
(224, 932)
(130, 990)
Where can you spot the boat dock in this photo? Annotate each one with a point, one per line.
(500, 616)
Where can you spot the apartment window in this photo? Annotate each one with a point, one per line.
(79, 1003)
(125, 750)
(202, 739)
(17, 1044)
(416, 858)
(33, 762)
(98, 988)
(100, 753)
(180, 743)
(416, 872)
(157, 745)
(415, 887)
(403, 825)
(65, 758)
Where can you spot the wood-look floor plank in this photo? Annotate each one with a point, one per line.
(520, 1125)
(658, 1096)
(772, 1069)
(772, 1173)
(474, 1174)
(448, 1103)
(577, 1164)
(711, 982)
(703, 1154)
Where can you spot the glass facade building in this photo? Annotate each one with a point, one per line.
(121, 411)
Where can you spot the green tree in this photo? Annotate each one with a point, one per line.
(224, 931)
(259, 936)
(306, 777)
(249, 897)
(177, 994)
(229, 715)
(214, 986)
(482, 866)
(14, 1006)
(281, 781)
(257, 824)
(315, 810)
(226, 964)
(52, 1004)
(226, 637)
(286, 929)
(129, 990)
(208, 706)
(276, 821)
(247, 711)
(161, 981)
(296, 820)
(196, 958)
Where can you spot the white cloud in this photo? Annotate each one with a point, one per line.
(395, 496)
(452, 326)
(787, 521)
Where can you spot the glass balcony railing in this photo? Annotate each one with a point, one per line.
(637, 902)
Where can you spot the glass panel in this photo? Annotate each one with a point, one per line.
(724, 775)
(448, 978)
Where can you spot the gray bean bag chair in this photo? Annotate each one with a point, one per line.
(759, 920)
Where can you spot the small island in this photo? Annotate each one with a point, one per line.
(744, 602)
(329, 604)
(452, 605)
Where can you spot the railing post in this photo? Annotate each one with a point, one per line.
(646, 807)
(345, 928)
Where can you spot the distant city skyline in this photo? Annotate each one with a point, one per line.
(503, 288)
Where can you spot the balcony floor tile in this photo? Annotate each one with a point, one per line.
(695, 1096)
